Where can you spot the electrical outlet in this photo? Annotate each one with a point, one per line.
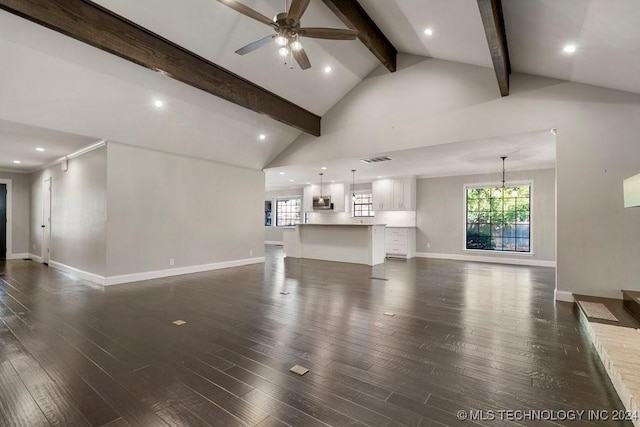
(171, 261)
(250, 252)
(428, 245)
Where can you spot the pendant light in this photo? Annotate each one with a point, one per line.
(500, 191)
(321, 200)
(353, 184)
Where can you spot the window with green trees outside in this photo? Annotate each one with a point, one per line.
(499, 219)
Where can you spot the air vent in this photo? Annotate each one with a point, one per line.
(376, 159)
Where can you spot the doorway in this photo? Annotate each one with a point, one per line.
(46, 220)
(3, 221)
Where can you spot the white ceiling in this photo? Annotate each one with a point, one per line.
(51, 81)
(606, 33)
(19, 142)
(458, 33)
(215, 32)
(527, 151)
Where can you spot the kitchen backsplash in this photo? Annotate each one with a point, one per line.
(391, 218)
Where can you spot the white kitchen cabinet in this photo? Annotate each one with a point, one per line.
(408, 202)
(308, 193)
(337, 196)
(381, 191)
(394, 194)
(397, 195)
(400, 242)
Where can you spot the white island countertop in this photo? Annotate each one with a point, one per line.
(344, 242)
(344, 223)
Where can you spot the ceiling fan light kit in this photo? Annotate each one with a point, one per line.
(288, 31)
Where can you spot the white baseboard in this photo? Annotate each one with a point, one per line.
(273, 242)
(36, 258)
(95, 278)
(17, 256)
(490, 259)
(564, 296)
(148, 275)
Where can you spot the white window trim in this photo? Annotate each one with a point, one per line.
(531, 217)
(274, 218)
(352, 207)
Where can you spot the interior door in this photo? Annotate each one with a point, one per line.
(46, 220)
(3, 221)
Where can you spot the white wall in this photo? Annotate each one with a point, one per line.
(441, 215)
(19, 212)
(78, 212)
(430, 102)
(164, 206)
(273, 233)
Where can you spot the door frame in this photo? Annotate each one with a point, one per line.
(9, 183)
(47, 229)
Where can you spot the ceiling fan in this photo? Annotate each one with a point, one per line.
(288, 31)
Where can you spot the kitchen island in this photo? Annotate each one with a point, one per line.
(354, 243)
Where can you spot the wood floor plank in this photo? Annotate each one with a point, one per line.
(464, 336)
(17, 405)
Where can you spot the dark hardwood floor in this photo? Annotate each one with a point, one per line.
(465, 336)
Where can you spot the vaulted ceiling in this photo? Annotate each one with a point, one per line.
(52, 81)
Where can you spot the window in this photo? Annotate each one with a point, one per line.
(499, 221)
(287, 212)
(363, 204)
(267, 213)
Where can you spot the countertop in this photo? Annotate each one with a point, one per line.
(345, 224)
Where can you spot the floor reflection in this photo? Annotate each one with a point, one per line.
(464, 336)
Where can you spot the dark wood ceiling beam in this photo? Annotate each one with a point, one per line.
(354, 16)
(94, 25)
(493, 21)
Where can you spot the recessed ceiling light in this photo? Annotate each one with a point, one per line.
(308, 183)
(324, 168)
(39, 149)
(379, 177)
(333, 180)
(281, 173)
(17, 162)
(291, 180)
(158, 103)
(262, 137)
(327, 69)
(428, 31)
(570, 48)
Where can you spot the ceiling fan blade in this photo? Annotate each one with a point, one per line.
(296, 9)
(247, 11)
(301, 58)
(255, 45)
(328, 33)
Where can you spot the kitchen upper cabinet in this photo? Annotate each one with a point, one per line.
(394, 194)
(309, 192)
(382, 191)
(337, 197)
(335, 190)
